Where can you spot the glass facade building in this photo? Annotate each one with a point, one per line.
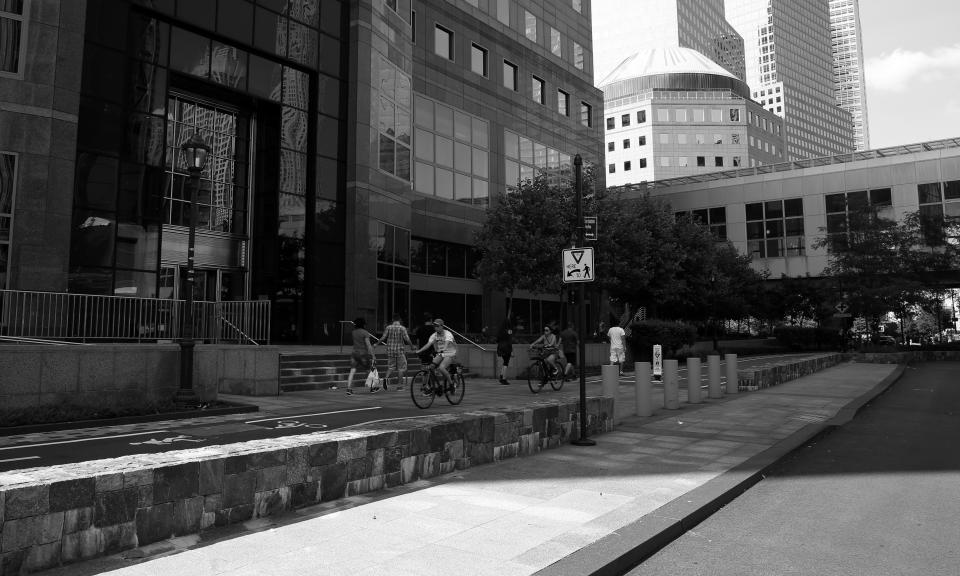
(789, 64)
(851, 88)
(355, 145)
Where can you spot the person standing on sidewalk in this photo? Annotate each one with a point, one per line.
(569, 344)
(396, 339)
(618, 355)
(362, 355)
(505, 348)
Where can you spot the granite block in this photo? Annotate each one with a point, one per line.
(43, 556)
(381, 440)
(351, 449)
(238, 489)
(19, 533)
(429, 464)
(11, 563)
(78, 519)
(176, 482)
(268, 459)
(323, 454)
(237, 464)
(304, 494)
(186, 515)
(211, 476)
(271, 478)
(298, 465)
(271, 502)
(119, 537)
(145, 495)
(117, 507)
(409, 472)
(333, 481)
(70, 494)
(137, 478)
(155, 523)
(26, 501)
(81, 545)
(109, 482)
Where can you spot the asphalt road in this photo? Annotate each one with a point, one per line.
(879, 496)
(326, 410)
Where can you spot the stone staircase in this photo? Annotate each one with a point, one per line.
(300, 371)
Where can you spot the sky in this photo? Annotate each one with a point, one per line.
(912, 67)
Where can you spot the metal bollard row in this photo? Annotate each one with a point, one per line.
(671, 391)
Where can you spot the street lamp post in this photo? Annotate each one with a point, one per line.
(195, 151)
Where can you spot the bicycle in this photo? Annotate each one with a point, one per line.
(426, 385)
(539, 374)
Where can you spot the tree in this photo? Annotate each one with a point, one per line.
(521, 240)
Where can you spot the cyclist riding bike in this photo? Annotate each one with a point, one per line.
(550, 343)
(445, 346)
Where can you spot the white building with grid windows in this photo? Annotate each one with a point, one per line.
(851, 88)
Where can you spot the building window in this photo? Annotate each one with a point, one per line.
(451, 152)
(938, 201)
(717, 139)
(735, 138)
(611, 146)
(840, 206)
(736, 161)
(611, 168)
(586, 114)
(700, 138)
(681, 138)
(664, 138)
(716, 115)
(394, 120)
(556, 43)
(626, 143)
(13, 37)
(503, 12)
(478, 60)
(701, 161)
(663, 115)
(578, 5)
(392, 245)
(643, 141)
(626, 165)
(643, 162)
(682, 161)
(734, 114)
(714, 218)
(563, 103)
(641, 116)
(681, 115)
(8, 181)
(625, 120)
(509, 76)
(525, 159)
(775, 228)
(718, 161)
(665, 161)
(443, 42)
(578, 56)
(530, 26)
(537, 90)
(611, 123)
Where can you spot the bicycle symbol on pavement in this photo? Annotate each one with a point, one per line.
(168, 441)
(297, 424)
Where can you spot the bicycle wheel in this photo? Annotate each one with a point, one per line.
(536, 376)
(557, 381)
(422, 389)
(455, 395)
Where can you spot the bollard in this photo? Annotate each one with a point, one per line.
(641, 372)
(671, 388)
(694, 375)
(715, 389)
(611, 377)
(732, 382)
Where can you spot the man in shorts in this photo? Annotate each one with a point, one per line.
(618, 354)
(396, 339)
(446, 347)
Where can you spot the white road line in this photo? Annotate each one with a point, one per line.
(18, 459)
(317, 414)
(80, 440)
(390, 420)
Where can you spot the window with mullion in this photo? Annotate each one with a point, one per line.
(12, 36)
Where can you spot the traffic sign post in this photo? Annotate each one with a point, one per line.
(578, 265)
(657, 362)
(589, 227)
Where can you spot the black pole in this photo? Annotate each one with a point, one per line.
(186, 394)
(581, 324)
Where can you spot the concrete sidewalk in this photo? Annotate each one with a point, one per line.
(571, 510)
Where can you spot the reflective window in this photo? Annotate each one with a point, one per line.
(578, 59)
(509, 76)
(394, 120)
(555, 42)
(537, 90)
(775, 228)
(443, 42)
(530, 26)
(8, 181)
(563, 103)
(503, 11)
(12, 38)
(478, 60)
(586, 114)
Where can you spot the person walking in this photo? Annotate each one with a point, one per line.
(396, 339)
(618, 355)
(569, 345)
(505, 348)
(361, 357)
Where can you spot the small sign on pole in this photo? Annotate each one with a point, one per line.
(657, 361)
(578, 265)
(589, 227)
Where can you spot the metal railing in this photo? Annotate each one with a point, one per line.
(85, 318)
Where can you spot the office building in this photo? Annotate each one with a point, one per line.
(789, 65)
(851, 89)
(674, 112)
(355, 145)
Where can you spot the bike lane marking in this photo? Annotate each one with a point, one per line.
(291, 416)
(18, 459)
(41, 444)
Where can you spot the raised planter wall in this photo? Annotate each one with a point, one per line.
(767, 375)
(62, 514)
(129, 374)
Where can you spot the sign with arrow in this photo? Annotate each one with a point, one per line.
(578, 265)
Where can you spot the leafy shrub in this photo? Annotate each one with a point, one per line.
(672, 336)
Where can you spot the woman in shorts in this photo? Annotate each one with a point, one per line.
(361, 357)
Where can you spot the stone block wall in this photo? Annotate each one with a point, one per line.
(129, 374)
(61, 514)
(767, 375)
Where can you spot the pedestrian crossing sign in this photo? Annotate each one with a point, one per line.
(578, 265)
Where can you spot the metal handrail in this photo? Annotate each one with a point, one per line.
(341, 332)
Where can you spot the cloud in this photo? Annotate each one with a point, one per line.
(899, 70)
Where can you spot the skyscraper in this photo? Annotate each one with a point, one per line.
(629, 26)
(789, 67)
(848, 66)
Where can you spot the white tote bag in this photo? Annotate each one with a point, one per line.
(373, 379)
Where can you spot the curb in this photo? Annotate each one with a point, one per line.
(630, 545)
(234, 408)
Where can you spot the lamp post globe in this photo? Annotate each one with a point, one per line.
(194, 154)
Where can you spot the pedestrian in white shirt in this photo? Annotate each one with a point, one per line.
(616, 335)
